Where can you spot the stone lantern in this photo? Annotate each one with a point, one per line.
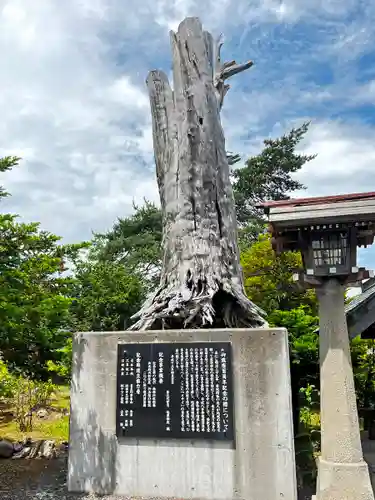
(327, 232)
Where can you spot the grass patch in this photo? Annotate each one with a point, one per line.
(61, 400)
(54, 426)
(57, 429)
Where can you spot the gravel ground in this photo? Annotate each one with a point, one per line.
(38, 479)
(42, 479)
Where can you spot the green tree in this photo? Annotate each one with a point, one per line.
(62, 366)
(105, 296)
(363, 360)
(34, 292)
(267, 176)
(7, 163)
(134, 242)
(269, 281)
(304, 351)
(303, 340)
(34, 302)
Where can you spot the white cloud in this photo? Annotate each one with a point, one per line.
(79, 122)
(345, 158)
(344, 164)
(123, 92)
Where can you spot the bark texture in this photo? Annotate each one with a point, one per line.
(201, 283)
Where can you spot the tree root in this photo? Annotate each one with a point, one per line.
(199, 305)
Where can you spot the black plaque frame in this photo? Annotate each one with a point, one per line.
(163, 395)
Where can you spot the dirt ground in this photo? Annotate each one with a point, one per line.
(27, 479)
(42, 479)
(38, 479)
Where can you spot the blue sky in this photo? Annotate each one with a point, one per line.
(74, 104)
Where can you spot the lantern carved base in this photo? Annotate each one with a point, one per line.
(343, 481)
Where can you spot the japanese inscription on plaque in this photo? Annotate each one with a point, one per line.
(175, 390)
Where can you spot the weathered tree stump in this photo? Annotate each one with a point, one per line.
(201, 282)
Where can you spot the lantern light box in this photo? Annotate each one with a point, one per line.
(327, 230)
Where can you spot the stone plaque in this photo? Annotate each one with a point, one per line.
(175, 390)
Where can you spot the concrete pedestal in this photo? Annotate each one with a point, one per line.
(260, 464)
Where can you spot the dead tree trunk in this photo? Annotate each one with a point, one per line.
(201, 283)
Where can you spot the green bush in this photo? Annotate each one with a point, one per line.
(307, 441)
(28, 396)
(6, 382)
(63, 367)
(24, 396)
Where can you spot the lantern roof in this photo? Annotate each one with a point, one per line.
(354, 208)
(319, 199)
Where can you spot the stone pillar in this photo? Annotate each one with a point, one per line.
(342, 472)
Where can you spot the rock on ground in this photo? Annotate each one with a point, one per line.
(42, 413)
(6, 449)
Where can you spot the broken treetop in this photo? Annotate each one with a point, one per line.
(201, 280)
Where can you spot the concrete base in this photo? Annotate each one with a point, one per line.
(343, 481)
(260, 464)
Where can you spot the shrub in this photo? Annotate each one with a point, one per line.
(25, 396)
(307, 442)
(63, 367)
(6, 382)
